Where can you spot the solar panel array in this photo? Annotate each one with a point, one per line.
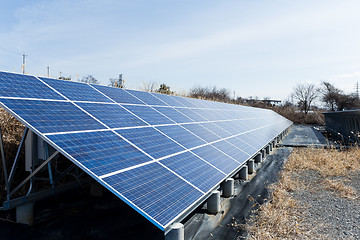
(160, 154)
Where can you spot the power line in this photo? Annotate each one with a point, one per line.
(10, 51)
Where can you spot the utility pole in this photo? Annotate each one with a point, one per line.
(48, 71)
(23, 66)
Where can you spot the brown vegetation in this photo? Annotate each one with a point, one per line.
(12, 131)
(315, 117)
(282, 217)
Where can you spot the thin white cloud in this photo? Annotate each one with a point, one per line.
(346, 76)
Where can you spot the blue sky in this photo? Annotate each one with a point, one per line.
(255, 48)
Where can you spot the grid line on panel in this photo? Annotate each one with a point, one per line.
(52, 116)
(121, 96)
(165, 98)
(75, 91)
(191, 149)
(150, 196)
(102, 123)
(12, 85)
(147, 101)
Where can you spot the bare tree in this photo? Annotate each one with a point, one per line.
(211, 93)
(331, 95)
(89, 79)
(149, 86)
(347, 102)
(305, 94)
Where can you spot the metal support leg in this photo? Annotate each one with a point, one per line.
(13, 168)
(4, 163)
(49, 167)
(36, 171)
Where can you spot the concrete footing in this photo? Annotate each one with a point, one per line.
(263, 153)
(96, 189)
(213, 203)
(176, 232)
(25, 214)
(251, 166)
(258, 158)
(228, 187)
(243, 173)
(267, 150)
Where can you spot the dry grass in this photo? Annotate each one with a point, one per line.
(12, 131)
(330, 162)
(315, 117)
(282, 216)
(340, 187)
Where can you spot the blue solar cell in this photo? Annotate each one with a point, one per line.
(215, 115)
(76, 91)
(113, 115)
(205, 113)
(201, 132)
(256, 143)
(182, 136)
(191, 114)
(51, 116)
(156, 191)
(217, 158)
(118, 95)
(201, 103)
(149, 115)
(231, 127)
(185, 101)
(173, 114)
(193, 169)
(216, 129)
(24, 86)
(232, 151)
(151, 141)
(147, 98)
(101, 152)
(240, 142)
(169, 100)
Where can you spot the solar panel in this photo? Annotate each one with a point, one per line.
(118, 95)
(160, 154)
(147, 98)
(182, 136)
(173, 114)
(149, 114)
(217, 158)
(195, 170)
(96, 151)
(113, 115)
(75, 91)
(151, 141)
(52, 116)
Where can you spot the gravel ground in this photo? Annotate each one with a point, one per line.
(329, 215)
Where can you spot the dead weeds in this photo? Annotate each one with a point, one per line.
(282, 217)
(340, 188)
